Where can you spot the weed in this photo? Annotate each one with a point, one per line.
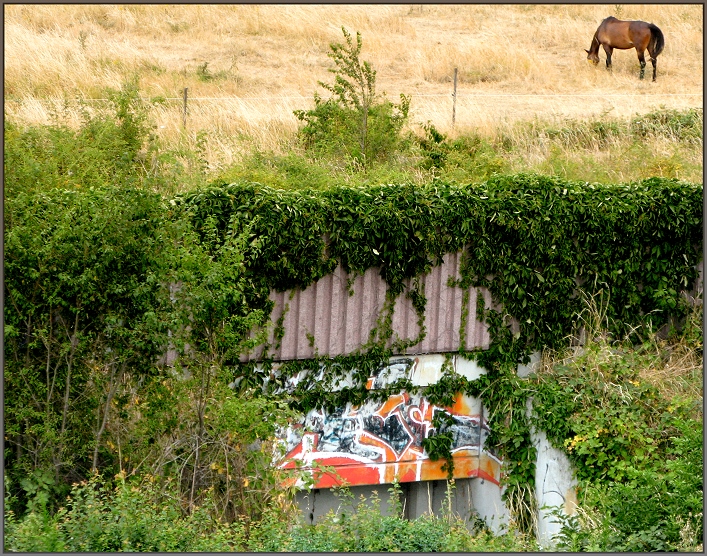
(205, 75)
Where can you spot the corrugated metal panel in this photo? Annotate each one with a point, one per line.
(325, 319)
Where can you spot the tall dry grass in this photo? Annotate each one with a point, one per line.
(672, 365)
(247, 67)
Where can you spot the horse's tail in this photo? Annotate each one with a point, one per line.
(657, 41)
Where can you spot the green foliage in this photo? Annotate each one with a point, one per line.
(460, 159)
(123, 518)
(288, 171)
(113, 145)
(675, 125)
(145, 516)
(363, 526)
(98, 270)
(632, 426)
(438, 443)
(100, 282)
(35, 532)
(636, 452)
(131, 119)
(209, 288)
(658, 509)
(532, 240)
(660, 143)
(108, 148)
(663, 143)
(353, 124)
(434, 147)
(218, 445)
(360, 526)
(81, 303)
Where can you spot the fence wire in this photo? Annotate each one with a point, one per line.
(422, 95)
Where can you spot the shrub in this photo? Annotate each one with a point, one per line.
(360, 526)
(80, 319)
(353, 124)
(88, 320)
(637, 449)
(124, 518)
(658, 509)
(684, 126)
(465, 158)
(107, 149)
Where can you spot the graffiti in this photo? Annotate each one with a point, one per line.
(379, 442)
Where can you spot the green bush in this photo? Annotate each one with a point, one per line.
(360, 526)
(468, 157)
(109, 148)
(354, 124)
(637, 451)
(82, 295)
(88, 319)
(127, 517)
(290, 171)
(658, 509)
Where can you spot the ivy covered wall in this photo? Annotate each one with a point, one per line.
(533, 241)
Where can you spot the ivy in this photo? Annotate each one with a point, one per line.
(438, 443)
(534, 241)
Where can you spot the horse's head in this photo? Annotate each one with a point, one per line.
(593, 58)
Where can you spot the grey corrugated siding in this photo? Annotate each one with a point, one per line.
(340, 323)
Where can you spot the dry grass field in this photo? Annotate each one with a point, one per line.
(247, 67)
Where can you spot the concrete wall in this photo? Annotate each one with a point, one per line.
(554, 487)
(471, 499)
(377, 443)
(371, 446)
(555, 484)
(380, 442)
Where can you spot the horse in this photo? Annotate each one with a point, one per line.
(614, 33)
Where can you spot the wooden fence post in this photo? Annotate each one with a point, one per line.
(184, 114)
(454, 96)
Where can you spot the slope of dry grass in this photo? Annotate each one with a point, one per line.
(247, 67)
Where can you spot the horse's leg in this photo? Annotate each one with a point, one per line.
(609, 50)
(653, 61)
(642, 60)
(652, 46)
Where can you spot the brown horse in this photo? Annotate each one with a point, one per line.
(614, 33)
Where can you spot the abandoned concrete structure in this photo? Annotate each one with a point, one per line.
(368, 447)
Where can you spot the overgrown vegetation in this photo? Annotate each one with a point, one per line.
(640, 241)
(663, 143)
(637, 448)
(106, 271)
(365, 526)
